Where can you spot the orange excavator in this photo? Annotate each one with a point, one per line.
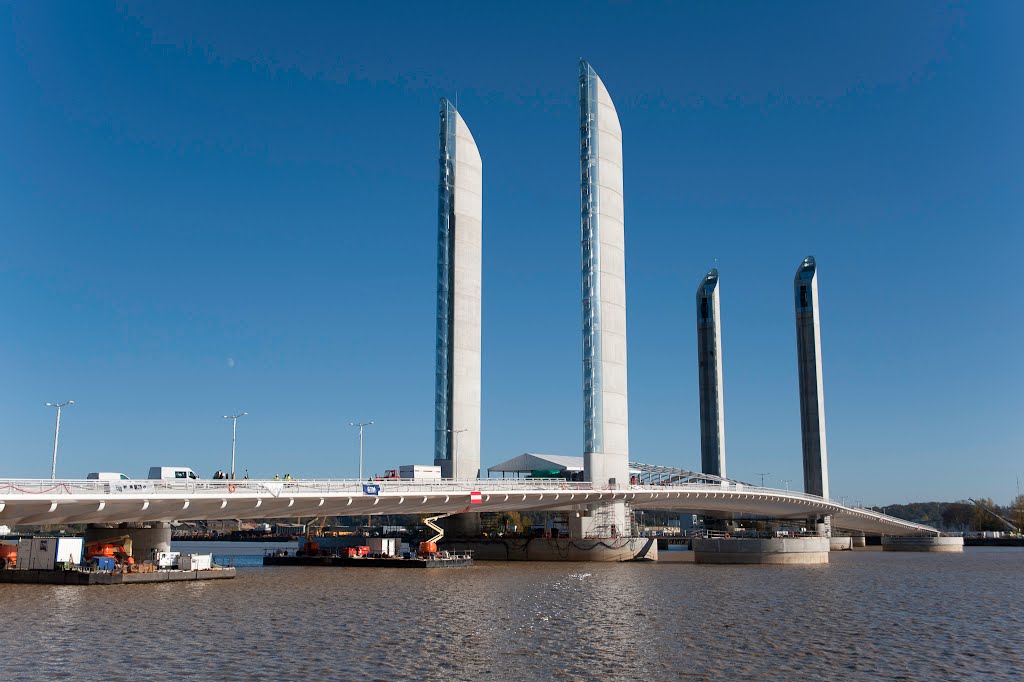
(119, 549)
(8, 555)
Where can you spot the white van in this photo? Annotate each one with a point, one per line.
(172, 473)
(106, 476)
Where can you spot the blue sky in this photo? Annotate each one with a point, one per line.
(209, 208)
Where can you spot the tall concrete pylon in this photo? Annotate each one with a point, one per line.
(812, 398)
(459, 278)
(605, 404)
(606, 422)
(709, 377)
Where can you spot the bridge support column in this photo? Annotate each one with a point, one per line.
(461, 526)
(893, 543)
(785, 551)
(838, 543)
(145, 537)
(859, 541)
(599, 521)
(821, 525)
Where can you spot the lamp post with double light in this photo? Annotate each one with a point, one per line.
(234, 428)
(455, 459)
(56, 436)
(360, 425)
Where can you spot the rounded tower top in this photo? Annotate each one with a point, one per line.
(708, 283)
(807, 270)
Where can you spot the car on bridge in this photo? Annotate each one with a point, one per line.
(106, 476)
(172, 473)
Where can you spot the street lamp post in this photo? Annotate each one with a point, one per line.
(762, 477)
(455, 459)
(787, 481)
(234, 428)
(56, 436)
(360, 425)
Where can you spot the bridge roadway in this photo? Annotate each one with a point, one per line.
(30, 501)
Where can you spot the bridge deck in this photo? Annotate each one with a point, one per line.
(25, 501)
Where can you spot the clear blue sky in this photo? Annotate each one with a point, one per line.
(210, 207)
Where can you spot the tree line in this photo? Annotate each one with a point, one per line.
(960, 516)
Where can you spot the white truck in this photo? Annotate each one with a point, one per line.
(420, 472)
(106, 476)
(172, 474)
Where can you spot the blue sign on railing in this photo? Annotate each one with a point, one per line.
(371, 489)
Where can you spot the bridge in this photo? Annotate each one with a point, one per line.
(33, 501)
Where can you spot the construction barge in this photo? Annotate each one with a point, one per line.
(73, 561)
(436, 561)
(79, 576)
(363, 552)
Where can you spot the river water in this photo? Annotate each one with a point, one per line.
(868, 615)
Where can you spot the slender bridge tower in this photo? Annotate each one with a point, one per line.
(459, 239)
(812, 397)
(709, 376)
(605, 421)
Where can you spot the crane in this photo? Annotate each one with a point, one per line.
(1006, 523)
(430, 546)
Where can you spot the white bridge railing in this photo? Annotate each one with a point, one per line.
(9, 487)
(15, 491)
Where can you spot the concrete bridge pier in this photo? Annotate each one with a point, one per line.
(779, 551)
(606, 520)
(145, 537)
(922, 543)
(461, 526)
(859, 540)
(838, 543)
(598, 532)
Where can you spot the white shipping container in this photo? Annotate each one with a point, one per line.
(37, 553)
(383, 546)
(419, 472)
(70, 549)
(46, 553)
(195, 562)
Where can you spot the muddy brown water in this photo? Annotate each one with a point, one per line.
(868, 615)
